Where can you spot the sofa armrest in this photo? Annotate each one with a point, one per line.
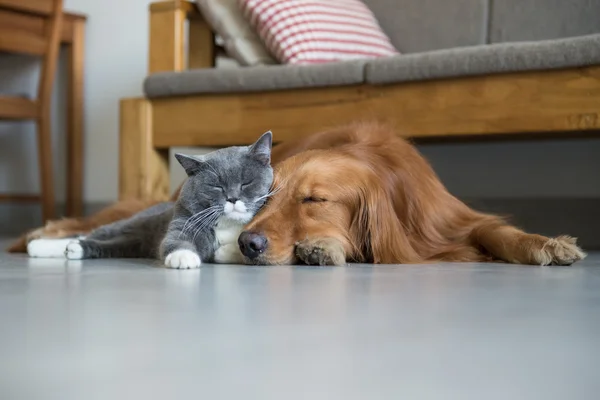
(169, 48)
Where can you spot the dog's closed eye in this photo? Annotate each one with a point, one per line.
(313, 199)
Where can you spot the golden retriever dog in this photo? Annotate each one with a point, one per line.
(363, 194)
(360, 193)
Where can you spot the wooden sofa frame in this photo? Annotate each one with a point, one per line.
(516, 103)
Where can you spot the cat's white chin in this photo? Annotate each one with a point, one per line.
(242, 217)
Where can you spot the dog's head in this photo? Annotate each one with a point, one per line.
(327, 194)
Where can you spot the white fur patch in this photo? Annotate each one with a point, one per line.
(237, 212)
(74, 250)
(229, 254)
(240, 207)
(227, 232)
(183, 259)
(48, 248)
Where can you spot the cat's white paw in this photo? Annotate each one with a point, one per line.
(48, 248)
(183, 259)
(74, 250)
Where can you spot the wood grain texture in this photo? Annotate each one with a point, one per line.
(72, 34)
(18, 41)
(167, 42)
(17, 108)
(186, 6)
(15, 38)
(34, 24)
(46, 166)
(143, 170)
(43, 7)
(170, 49)
(201, 44)
(547, 101)
(75, 133)
(44, 98)
(50, 60)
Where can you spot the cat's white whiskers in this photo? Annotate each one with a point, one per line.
(194, 218)
(271, 193)
(205, 222)
(208, 222)
(200, 221)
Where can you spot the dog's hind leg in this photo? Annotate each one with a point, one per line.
(512, 245)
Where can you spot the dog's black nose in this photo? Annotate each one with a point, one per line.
(252, 244)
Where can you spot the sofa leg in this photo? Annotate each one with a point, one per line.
(143, 169)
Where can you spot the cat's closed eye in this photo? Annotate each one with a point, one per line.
(247, 184)
(219, 188)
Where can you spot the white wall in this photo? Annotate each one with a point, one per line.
(116, 58)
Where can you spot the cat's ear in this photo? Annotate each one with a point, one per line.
(261, 150)
(191, 164)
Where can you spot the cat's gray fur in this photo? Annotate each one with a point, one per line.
(233, 173)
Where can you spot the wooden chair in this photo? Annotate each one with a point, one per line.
(13, 39)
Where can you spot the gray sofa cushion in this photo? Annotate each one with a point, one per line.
(424, 25)
(486, 59)
(519, 20)
(252, 79)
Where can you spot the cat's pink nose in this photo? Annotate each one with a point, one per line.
(252, 244)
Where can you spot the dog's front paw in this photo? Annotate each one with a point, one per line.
(74, 250)
(183, 259)
(562, 250)
(321, 252)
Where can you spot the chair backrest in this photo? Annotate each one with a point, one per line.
(43, 7)
(16, 36)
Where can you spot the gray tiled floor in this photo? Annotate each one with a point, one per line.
(129, 330)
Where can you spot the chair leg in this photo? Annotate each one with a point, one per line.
(46, 170)
(75, 167)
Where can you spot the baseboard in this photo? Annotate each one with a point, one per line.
(547, 216)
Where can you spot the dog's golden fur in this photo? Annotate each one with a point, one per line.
(361, 193)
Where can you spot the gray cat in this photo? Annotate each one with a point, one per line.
(223, 192)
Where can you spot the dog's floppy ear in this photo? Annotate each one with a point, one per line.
(378, 234)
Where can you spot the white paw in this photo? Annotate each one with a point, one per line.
(183, 259)
(74, 251)
(48, 248)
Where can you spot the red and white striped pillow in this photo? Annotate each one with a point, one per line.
(317, 31)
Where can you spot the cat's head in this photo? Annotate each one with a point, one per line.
(234, 181)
